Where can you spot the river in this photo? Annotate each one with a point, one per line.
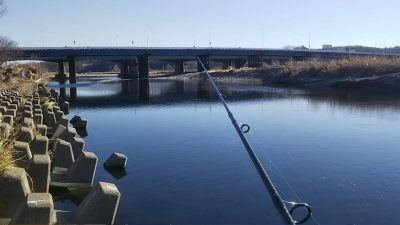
(338, 150)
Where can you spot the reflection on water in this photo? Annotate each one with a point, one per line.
(338, 149)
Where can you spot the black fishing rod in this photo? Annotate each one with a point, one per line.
(241, 130)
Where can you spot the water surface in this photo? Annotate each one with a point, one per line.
(339, 150)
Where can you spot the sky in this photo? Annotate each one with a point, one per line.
(188, 23)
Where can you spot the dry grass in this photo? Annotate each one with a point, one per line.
(354, 66)
(22, 78)
(6, 148)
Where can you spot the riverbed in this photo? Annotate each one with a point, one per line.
(336, 149)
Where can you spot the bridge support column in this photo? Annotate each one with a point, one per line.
(124, 70)
(206, 62)
(143, 61)
(179, 67)
(61, 71)
(72, 71)
(254, 61)
(226, 64)
(132, 68)
(238, 63)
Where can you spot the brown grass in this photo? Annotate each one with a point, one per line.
(354, 66)
(6, 149)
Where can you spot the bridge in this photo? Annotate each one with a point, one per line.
(134, 62)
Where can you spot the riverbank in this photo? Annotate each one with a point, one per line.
(355, 73)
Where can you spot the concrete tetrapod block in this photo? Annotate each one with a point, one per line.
(28, 114)
(37, 208)
(39, 171)
(8, 119)
(58, 114)
(14, 187)
(84, 168)
(11, 112)
(3, 109)
(65, 107)
(49, 119)
(39, 145)
(13, 106)
(78, 144)
(64, 133)
(100, 206)
(26, 135)
(22, 154)
(63, 154)
(38, 118)
(42, 129)
(116, 161)
(80, 124)
(63, 120)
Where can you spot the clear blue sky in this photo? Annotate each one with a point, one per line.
(233, 23)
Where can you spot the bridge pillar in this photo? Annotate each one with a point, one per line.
(226, 64)
(179, 67)
(61, 68)
(206, 62)
(61, 71)
(143, 61)
(132, 68)
(124, 70)
(72, 71)
(254, 61)
(239, 63)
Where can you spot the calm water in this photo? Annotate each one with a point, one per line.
(338, 150)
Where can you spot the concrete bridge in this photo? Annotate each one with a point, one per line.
(134, 62)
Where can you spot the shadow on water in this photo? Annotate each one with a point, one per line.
(110, 92)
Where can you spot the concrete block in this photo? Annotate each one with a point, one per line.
(116, 161)
(5, 103)
(63, 120)
(100, 206)
(26, 134)
(39, 171)
(22, 154)
(28, 114)
(80, 123)
(11, 112)
(37, 208)
(38, 118)
(63, 154)
(8, 120)
(39, 145)
(42, 129)
(27, 107)
(64, 133)
(13, 106)
(65, 107)
(49, 119)
(3, 109)
(58, 114)
(37, 111)
(84, 168)
(14, 187)
(78, 144)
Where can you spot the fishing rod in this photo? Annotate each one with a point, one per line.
(241, 130)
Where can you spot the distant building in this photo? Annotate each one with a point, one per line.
(327, 47)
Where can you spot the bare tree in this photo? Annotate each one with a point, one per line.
(8, 49)
(3, 8)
